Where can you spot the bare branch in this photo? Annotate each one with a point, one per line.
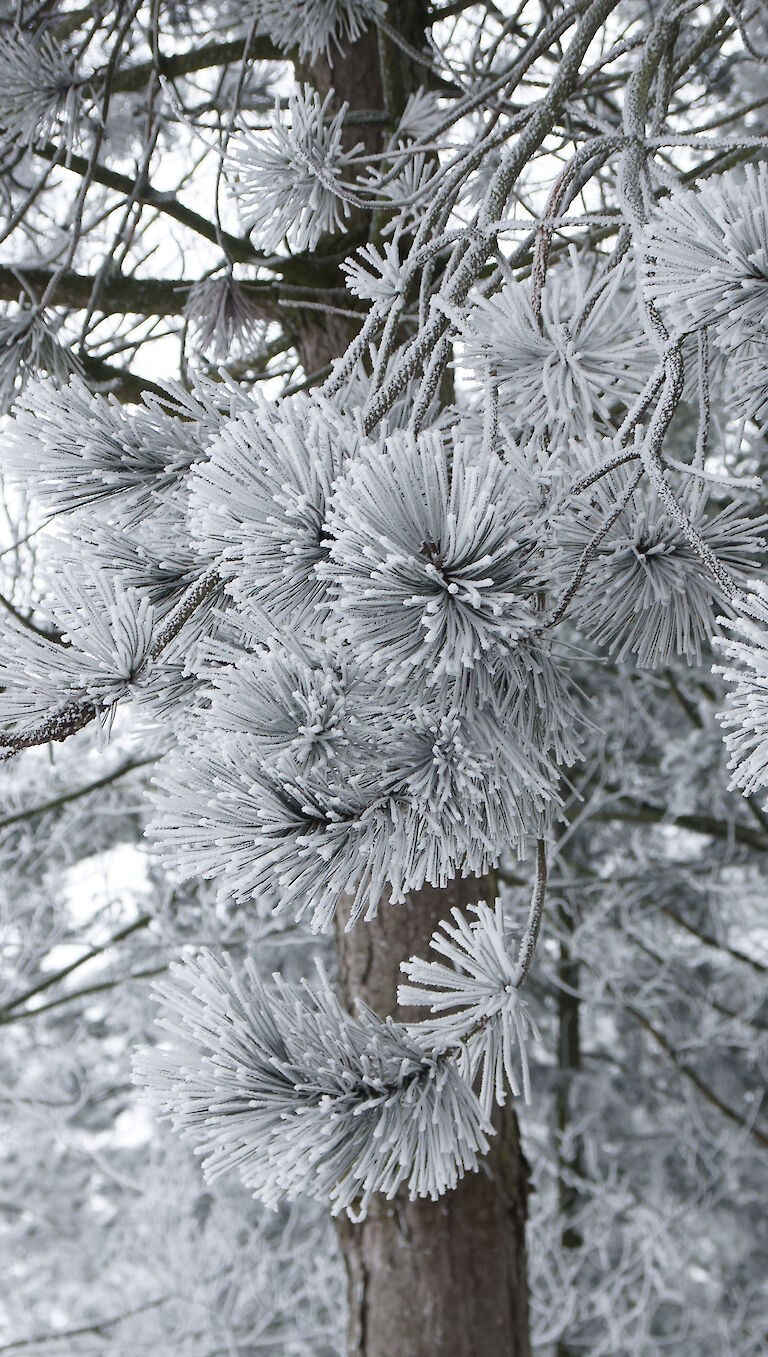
(122, 294)
(138, 924)
(44, 807)
(133, 78)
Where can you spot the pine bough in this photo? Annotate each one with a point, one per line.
(346, 615)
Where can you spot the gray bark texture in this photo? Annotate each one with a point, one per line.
(426, 1279)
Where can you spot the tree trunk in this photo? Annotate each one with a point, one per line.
(569, 1160)
(569, 1063)
(445, 1278)
(426, 1279)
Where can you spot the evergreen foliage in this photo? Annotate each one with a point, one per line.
(441, 560)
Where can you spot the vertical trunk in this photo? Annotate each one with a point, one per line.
(569, 1062)
(426, 1279)
(445, 1278)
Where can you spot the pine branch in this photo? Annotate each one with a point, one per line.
(530, 936)
(318, 266)
(97, 1327)
(710, 940)
(126, 386)
(47, 633)
(662, 961)
(691, 712)
(539, 125)
(68, 720)
(74, 716)
(685, 702)
(195, 595)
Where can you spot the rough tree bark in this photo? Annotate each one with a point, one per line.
(569, 1063)
(426, 1279)
(445, 1278)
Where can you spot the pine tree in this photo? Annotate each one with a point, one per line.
(403, 590)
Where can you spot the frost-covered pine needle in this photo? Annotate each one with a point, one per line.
(430, 559)
(745, 717)
(474, 1001)
(316, 27)
(40, 91)
(707, 255)
(224, 324)
(288, 181)
(299, 1097)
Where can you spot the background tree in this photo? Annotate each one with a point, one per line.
(543, 188)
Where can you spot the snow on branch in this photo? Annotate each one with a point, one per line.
(647, 592)
(569, 368)
(432, 560)
(302, 1098)
(29, 347)
(106, 635)
(707, 255)
(77, 448)
(40, 90)
(260, 500)
(53, 689)
(316, 27)
(366, 825)
(343, 606)
(745, 716)
(288, 182)
(225, 322)
(475, 1001)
